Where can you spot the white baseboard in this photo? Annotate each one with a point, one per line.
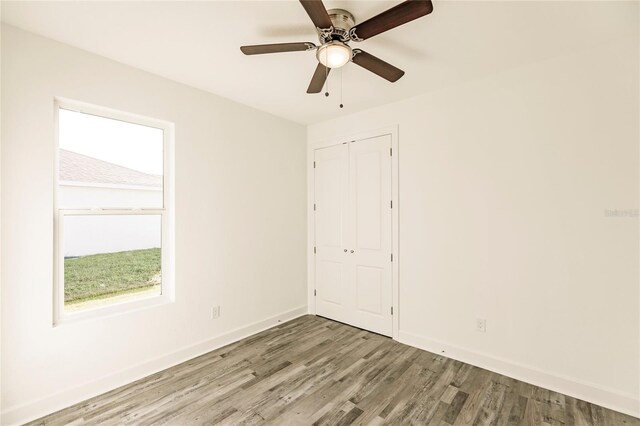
(65, 398)
(609, 398)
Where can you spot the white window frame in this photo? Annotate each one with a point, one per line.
(165, 212)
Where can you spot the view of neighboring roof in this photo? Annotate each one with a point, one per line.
(81, 168)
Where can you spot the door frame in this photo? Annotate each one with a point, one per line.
(312, 145)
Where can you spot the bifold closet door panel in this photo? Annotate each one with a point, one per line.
(331, 212)
(370, 234)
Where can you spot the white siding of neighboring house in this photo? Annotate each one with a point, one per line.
(87, 235)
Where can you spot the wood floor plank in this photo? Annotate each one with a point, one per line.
(516, 415)
(316, 371)
(476, 387)
(492, 404)
(454, 408)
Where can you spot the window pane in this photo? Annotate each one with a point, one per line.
(110, 258)
(108, 163)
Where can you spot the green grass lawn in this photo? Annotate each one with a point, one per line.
(103, 275)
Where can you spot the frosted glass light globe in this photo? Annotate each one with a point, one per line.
(333, 54)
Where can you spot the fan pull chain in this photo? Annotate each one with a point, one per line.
(326, 80)
(341, 105)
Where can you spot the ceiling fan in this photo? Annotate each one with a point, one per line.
(336, 28)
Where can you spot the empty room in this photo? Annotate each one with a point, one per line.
(306, 212)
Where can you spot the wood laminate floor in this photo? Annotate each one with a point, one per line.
(315, 371)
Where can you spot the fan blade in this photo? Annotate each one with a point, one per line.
(318, 79)
(258, 49)
(394, 17)
(317, 12)
(377, 66)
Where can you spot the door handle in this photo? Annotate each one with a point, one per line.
(345, 250)
(351, 251)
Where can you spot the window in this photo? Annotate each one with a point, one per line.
(112, 213)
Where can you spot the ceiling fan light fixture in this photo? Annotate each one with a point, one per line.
(334, 54)
(336, 28)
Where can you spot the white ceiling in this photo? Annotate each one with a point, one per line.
(197, 43)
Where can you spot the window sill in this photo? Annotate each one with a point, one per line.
(113, 309)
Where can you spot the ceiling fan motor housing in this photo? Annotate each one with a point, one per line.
(342, 21)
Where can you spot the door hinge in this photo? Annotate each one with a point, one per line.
(391, 151)
(392, 257)
(314, 250)
(314, 207)
(314, 291)
(391, 203)
(392, 310)
(314, 164)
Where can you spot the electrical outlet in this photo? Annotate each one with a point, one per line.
(481, 325)
(215, 312)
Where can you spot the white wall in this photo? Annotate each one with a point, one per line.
(504, 183)
(84, 235)
(94, 234)
(78, 195)
(240, 227)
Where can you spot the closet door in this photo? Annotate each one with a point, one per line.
(370, 237)
(353, 237)
(331, 212)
